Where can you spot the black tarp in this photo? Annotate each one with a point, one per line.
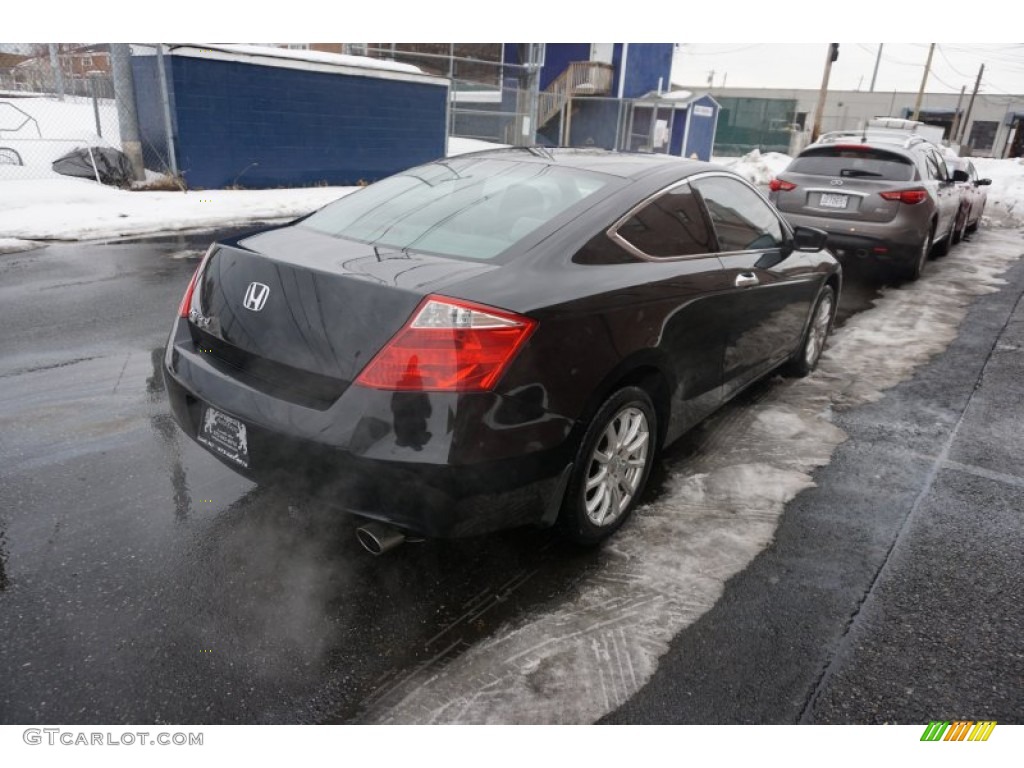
(112, 166)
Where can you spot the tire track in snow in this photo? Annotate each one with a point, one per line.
(720, 508)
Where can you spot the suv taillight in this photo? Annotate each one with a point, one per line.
(778, 185)
(449, 345)
(186, 300)
(908, 196)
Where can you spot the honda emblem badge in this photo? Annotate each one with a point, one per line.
(256, 296)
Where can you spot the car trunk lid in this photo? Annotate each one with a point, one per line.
(303, 312)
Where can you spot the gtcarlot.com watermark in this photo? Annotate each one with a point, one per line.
(70, 738)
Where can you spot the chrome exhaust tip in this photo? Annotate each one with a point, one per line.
(378, 538)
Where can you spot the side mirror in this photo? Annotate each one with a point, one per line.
(809, 239)
(982, 182)
(959, 176)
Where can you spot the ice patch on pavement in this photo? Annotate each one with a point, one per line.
(592, 651)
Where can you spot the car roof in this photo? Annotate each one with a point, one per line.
(622, 164)
(873, 137)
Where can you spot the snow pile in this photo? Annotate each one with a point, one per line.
(318, 57)
(669, 565)
(755, 167)
(1005, 206)
(10, 245)
(64, 208)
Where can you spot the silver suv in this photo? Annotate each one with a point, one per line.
(880, 195)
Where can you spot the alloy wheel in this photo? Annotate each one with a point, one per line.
(818, 331)
(616, 467)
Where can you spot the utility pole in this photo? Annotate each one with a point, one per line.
(711, 78)
(878, 60)
(956, 115)
(924, 82)
(165, 103)
(127, 115)
(970, 104)
(833, 54)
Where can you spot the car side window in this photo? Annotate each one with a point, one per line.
(936, 169)
(743, 220)
(670, 225)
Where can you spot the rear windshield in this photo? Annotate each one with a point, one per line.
(853, 163)
(472, 208)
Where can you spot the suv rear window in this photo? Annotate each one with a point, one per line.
(847, 162)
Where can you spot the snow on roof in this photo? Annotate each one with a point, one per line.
(318, 57)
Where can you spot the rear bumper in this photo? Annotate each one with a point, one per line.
(886, 242)
(407, 464)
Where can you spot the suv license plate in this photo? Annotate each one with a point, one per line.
(832, 201)
(224, 435)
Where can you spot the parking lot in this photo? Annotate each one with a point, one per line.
(764, 580)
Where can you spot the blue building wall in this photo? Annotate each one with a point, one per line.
(558, 57)
(645, 64)
(700, 138)
(150, 111)
(263, 126)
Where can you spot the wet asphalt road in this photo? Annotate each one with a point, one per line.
(142, 581)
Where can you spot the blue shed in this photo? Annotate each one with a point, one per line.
(675, 123)
(262, 117)
(685, 124)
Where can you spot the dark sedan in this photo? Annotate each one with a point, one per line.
(499, 339)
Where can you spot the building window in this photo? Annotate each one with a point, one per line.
(87, 62)
(983, 134)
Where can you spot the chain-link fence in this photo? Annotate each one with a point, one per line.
(51, 106)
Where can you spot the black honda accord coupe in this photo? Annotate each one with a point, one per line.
(498, 339)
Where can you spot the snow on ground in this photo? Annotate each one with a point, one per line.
(755, 167)
(1005, 206)
(64, 208)
(589, 654)
(43, 129)
(460, 146)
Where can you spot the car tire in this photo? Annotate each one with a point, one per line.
(943, 246)
(915, 270)
(959, 228)
(805, 358)
(612, 466)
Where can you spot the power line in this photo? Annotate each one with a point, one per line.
(946, 59)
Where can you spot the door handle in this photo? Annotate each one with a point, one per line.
(746, 279)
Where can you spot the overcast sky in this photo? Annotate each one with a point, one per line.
(799, 65)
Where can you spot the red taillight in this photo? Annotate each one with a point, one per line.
(449, 345)
(186, 300)
(908, 196)
(778, 185)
